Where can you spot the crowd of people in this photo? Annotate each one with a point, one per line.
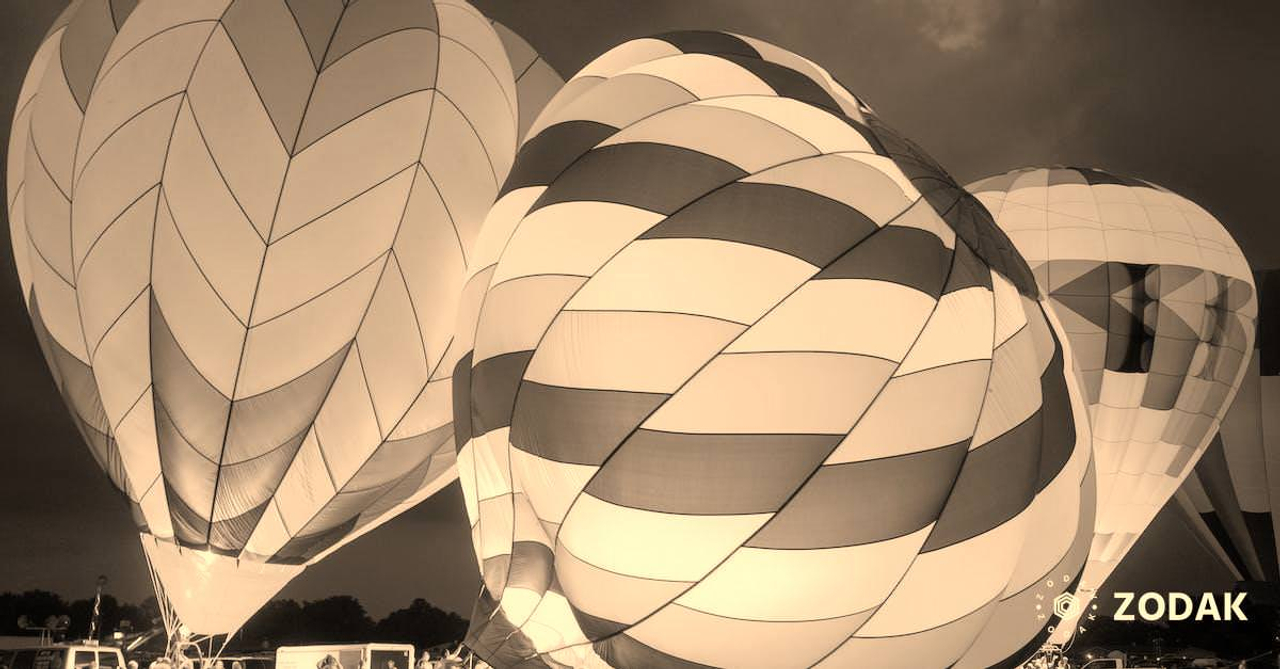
(458, 658)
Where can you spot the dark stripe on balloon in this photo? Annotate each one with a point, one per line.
(494, 382)
(1095, 177)
(967, 271)
(548, 153)
(461, 387)
(907, 256)
(790, 220)
(495, 640)
(229, 536)
(1059, 427)
(654, 177)
(596, 628)
(788, 83)
(703, 474)
(275, 416)
(624, 651)
(190, 529)
(575, 425)
(198, 410)
(996, 483)
(302, 548)
(856, 503)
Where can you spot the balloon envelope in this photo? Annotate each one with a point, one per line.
(755, 383)
(1235, 488)
(536, 80)
(1159, 305)
(245, 237)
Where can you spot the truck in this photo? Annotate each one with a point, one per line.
(350, 656)
(62, 656)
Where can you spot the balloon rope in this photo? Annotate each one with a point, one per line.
(167, 615)
(225, 640)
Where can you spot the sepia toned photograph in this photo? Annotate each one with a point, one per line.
(672, 334)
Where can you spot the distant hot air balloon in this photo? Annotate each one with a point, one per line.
(246, 226)
(1235, 488)
(1159, 305)
(756, 384)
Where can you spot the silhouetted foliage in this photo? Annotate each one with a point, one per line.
(36, 605)
(422, 625)
(337, 619)
(276, 624)
(282, 622)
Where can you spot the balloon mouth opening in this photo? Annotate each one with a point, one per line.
(209, 593)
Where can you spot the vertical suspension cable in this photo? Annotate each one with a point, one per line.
(168, 617)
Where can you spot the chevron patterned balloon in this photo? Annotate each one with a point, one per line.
(243, 226)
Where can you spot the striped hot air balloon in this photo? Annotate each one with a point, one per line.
(1159, 306)
(756, 384)
(242, 227)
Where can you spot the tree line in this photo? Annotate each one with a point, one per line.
(282, 622)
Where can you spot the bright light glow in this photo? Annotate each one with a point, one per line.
(518, 604)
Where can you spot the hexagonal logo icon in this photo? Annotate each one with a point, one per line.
(1066, 605)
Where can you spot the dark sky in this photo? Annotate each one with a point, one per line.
(1179, 93)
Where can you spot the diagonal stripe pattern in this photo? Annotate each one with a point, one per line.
(244, 229)
(752, 380)
(1159, 305)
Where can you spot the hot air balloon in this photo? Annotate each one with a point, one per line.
(1159, 306)
(76, 51)
(756, 384)
(1235, 487)
(243, 262)
(536, 80)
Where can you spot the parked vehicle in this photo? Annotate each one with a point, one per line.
(350, 656)
(63, 656)
(1111, 663)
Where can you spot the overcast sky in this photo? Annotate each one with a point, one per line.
(1179, 93)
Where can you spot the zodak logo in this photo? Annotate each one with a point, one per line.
(1066, 605)
(1153, 606)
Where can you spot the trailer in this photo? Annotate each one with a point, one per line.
(348, 656)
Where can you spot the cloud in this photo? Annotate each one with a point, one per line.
(958, 25)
